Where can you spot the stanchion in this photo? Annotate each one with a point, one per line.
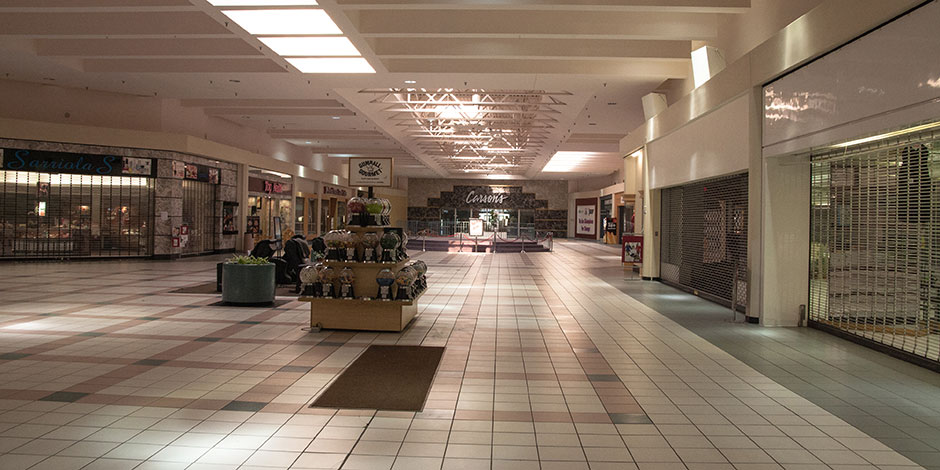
(522, 237)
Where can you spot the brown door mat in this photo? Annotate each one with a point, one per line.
(395, 378)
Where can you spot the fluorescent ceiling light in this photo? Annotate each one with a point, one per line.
(332, 65)
(311, 46)
(261, 3)
(284, 22)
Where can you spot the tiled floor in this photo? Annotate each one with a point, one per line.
(894, 401)
(547, 366)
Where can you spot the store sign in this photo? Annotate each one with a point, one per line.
(328, 190)
(370, 172)
(258, 185)
(75, 163)
(475, 198)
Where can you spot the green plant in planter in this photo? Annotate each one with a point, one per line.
(241, 259)
(248, 280)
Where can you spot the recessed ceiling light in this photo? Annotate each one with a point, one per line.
(332, 65)
(261, 3)
(410, 82)
(311, 46)
(307, 142)
(284, 22)
(335, 117)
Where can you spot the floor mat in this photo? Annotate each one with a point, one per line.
(385, 377)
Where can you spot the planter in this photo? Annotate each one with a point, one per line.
(248, 283)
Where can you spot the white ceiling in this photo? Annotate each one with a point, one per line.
(604, 55)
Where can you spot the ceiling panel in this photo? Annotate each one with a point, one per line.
(182, 65)
(134, 47)
(110, 23)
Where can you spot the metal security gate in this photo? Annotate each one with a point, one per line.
(875, 243)
(199, 216)
(704, 238)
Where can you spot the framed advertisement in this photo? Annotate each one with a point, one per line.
(476, 227)
(632, 251)
(375, 172)
(585, 222)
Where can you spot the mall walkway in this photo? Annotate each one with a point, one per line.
(547, 366)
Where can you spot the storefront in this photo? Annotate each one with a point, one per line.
(530, 208)
(704, 238)
(269, 204)
(80, 201)
(72, 205)
(333, 207)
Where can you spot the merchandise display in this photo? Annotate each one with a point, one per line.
(346, 279)
(308, 278)
(370, 244)
(390, 243)
(374, 208)
(422, 269)
(334, 240)
(386, 211)
(356, 208)
(350, 243)
(405, 280)
(385, 279)
(327, 275)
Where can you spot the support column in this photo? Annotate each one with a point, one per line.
(651, 222)
(242, 191)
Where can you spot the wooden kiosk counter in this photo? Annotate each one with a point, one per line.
(370, 314)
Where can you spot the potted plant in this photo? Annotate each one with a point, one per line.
(248, 280)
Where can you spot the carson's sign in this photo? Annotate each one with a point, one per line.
(77, 163)
(492, 198)
(370, 172)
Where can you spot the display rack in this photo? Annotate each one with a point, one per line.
(358, 313)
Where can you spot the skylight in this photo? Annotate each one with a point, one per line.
(261, 3)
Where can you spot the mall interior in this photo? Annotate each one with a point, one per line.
(478, 234)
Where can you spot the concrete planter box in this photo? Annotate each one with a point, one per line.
(248, 283)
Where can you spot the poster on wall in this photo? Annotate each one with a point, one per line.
(137, 166)
(228, 218)
(476, 227)
(179, 169)
(370, 172)
(586, 218)
(253, 224)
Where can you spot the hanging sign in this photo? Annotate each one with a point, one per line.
(370, 172)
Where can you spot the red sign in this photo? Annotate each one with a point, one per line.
(632, 249)
(272, 187)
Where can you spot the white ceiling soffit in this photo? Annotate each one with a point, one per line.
(563, 75)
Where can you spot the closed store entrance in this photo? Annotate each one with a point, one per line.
(704, 239)
(875, 243)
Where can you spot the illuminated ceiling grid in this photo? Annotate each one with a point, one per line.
(475, 130)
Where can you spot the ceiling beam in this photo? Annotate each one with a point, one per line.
(182, 66)
(110, 24)
(279, 103)
(525, 48)
(137, 47)
(521, 24)
(675, 6)
(637, 68)
(246, 111)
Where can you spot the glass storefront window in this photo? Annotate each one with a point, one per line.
(311, 218)
(299, 207)
(65, 215)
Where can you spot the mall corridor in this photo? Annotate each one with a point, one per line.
(552, 361)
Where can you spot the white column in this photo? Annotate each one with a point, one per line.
(241, 189)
